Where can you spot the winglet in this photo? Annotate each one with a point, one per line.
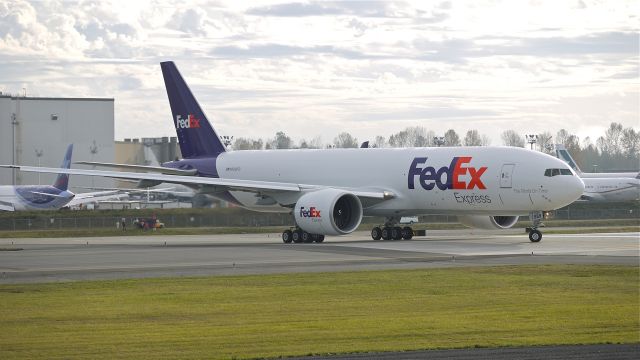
(62, 181)
(196, 136)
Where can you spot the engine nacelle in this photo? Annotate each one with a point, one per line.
(488, 222)
(328, 212)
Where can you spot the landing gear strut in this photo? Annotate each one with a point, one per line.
(298, 235)
(391, 230)
(536, 218)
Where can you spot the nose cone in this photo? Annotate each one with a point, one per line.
(575, 188)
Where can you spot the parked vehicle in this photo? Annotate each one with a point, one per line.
(148, 223)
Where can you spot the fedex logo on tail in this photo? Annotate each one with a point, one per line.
(189, 122)
(446, 177)
(311, 213)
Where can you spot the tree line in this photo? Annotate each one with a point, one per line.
(617, 149)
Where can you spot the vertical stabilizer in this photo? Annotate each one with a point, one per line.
(196, 135)
(563, 154)
(62, 181)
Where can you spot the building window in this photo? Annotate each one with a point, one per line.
(54, 117)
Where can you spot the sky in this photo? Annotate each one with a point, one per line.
(316, 69)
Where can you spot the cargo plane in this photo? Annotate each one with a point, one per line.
(329, 191)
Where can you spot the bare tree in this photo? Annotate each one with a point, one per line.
(281, 141)
(630, 142)
(345, 140)
(485, 140)
(612, 138)
(472, 138)
(545, 142)
(451, 138)
(247, 144)
(512, 138)
(379, 142)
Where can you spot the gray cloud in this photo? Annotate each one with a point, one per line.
(459, 50)
(379, 9)
(425, 114)
(279, 51)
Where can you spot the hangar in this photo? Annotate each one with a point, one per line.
(36, 131)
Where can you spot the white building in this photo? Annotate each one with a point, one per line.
(36, 131)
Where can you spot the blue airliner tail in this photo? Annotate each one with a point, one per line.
(563, 154)
(196, 135)
(62, 181)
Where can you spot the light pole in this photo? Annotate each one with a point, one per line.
(93, 149)
(531, 139)
(14, 123)
(438, 140)
(227, 140)
(39, 153)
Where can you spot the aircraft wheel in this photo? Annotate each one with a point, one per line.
(306, 237)
(297, 236)
(407, 233)
(287, 236)
(319, 238)
(376, 233)
(396, 233)
(386, 233)
(535, 235)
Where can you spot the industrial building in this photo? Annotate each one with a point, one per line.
(36, 131)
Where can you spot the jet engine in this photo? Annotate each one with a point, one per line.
(328, 212)
(488, 222)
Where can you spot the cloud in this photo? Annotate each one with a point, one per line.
(365, 9)
(282, 51)
(461, 50)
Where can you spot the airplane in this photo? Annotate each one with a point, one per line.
(604, 187)
(563, 153)
(328, 191)
(48, 197)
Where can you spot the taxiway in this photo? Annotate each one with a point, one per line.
(55, 259)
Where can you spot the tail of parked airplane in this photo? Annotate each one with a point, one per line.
(563, 154)
(62, 181)
(195, 134)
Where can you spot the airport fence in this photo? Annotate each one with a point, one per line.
(250, 219)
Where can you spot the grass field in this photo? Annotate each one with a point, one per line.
(299, 314)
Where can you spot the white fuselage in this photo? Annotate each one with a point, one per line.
(33, 197)
(490, 180)
(611, 189)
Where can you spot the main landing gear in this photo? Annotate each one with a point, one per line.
(536, 218)
(300, 236)
(391, 231)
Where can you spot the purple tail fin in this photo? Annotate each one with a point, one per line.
(62, 181)
(196, 135)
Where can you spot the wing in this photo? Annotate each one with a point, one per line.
(92, 197)
(46, 194)
(158, 169)
(223, 184)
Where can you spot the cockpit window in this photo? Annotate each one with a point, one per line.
(555, 172)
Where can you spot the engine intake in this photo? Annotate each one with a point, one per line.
(488, 222)
(328, 212)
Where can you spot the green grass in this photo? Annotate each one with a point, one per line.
(299, 314)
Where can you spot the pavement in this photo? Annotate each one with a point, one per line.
(69, 259)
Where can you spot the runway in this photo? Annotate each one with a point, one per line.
(55, 259)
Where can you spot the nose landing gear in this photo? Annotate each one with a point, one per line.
(536, 218)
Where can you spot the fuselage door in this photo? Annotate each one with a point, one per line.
(505, 175)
